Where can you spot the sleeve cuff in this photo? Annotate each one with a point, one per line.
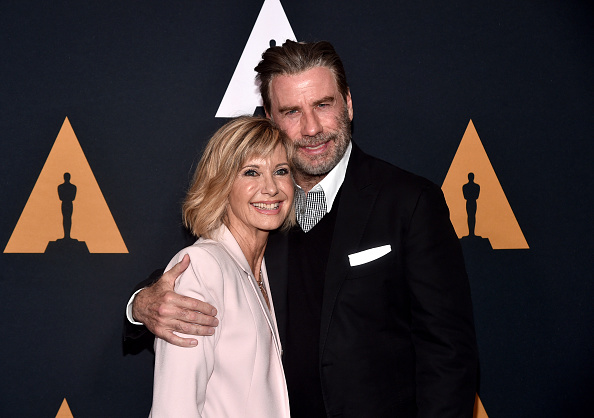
(129, 309)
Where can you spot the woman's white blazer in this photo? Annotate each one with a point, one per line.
(238, 371)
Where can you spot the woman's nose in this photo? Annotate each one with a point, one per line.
(270, 186)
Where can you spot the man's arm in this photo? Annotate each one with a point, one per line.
(163, 311)
(442, 320)
(135, 333)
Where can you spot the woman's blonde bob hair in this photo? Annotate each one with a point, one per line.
(205, 206)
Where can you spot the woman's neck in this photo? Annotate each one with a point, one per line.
(252, 244)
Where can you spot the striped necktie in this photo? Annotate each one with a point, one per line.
(309, 208)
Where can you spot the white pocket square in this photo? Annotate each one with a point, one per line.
(371, 254)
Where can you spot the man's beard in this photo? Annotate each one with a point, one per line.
(323, 163)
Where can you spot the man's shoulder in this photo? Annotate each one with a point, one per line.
(387, 174)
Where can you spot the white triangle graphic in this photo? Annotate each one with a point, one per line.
(242, 95)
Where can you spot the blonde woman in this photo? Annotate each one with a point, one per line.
(242, 189)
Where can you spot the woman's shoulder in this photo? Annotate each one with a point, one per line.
(211, 269)
(206, 254)
(206, 246)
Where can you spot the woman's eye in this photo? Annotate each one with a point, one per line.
(250, 173)
(282, 172)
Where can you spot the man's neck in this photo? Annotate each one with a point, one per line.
(307, 182)
(332, 179)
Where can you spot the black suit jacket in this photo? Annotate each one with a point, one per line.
(397, 335)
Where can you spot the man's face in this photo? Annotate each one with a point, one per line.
(312, 112)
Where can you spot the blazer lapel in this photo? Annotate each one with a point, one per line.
(226, 238)
(358, 195)
(277, 262)
(270, 313)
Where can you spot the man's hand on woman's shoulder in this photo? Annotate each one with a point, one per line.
(163, 311)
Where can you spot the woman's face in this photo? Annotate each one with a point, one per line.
(262, 193)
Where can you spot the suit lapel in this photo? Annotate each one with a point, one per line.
(358, 195)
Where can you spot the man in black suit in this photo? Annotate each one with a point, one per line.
(370, 290)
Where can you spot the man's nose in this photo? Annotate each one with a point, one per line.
(310, 124)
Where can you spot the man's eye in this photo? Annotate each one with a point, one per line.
(250, 173)
(290, 112)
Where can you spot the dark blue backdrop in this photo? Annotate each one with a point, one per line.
(140, 82)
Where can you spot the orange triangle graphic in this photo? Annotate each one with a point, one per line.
(495, 219)
(479, 409)
(41, 222)
(64, 411)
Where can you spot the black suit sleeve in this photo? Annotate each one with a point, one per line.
(138, 337)
(441, 308)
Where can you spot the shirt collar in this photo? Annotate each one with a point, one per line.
(332, 182)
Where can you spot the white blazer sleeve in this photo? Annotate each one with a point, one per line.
(182, 374)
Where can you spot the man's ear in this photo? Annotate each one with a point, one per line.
(349, 104)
